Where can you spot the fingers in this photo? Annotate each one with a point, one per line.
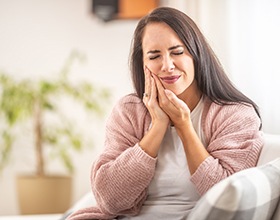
(147, 81)
(159, 86)
(150, 99)
(161, 102)
(178, 103)
(167, 98)
(164, 102)
(150, 86)
(153, 89)
(147, 92)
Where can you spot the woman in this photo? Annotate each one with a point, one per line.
(185, 129)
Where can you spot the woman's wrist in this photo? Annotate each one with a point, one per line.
(151, 142)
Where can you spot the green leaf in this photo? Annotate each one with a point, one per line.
(22, 99)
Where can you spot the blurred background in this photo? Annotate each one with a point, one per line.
(37, 36)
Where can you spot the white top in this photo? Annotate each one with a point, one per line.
(171, 194)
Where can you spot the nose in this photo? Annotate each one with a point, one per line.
(167, 64)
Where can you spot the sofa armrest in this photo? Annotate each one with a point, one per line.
(86, 201)
(271, 149)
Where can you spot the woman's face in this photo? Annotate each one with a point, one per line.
(165, 55)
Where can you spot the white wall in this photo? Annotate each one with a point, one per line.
(36, 36)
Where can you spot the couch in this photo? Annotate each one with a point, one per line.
(249, 194)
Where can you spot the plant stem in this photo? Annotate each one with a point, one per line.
(38, 138)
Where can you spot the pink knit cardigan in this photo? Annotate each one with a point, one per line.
(122, 173)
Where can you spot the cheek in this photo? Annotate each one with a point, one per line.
(188, 67)
(152, 65)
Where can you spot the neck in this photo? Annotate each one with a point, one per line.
(191, 95)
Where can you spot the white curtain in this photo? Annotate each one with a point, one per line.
(255, 55)
(245, 34)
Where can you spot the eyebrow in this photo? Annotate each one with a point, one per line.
(170, 48)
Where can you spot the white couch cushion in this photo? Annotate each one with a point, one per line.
(271, 149)
(249, 194)
(86, 201)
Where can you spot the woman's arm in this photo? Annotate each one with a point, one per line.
(179, 113)
(234, 143)
(194, 150)
(123, 171)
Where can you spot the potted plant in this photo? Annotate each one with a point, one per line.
(38, 103)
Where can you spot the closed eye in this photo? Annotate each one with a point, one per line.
(174, 53)
(178, 53)
(153, 57)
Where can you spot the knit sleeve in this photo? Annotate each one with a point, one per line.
(234, 143)
(122, 173)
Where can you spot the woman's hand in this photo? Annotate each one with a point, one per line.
(151, 100)
(151, 142)
(179, 113)
(177, 110)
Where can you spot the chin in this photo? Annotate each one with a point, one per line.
(177, 91)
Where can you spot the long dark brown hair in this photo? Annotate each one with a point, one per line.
(209, 74)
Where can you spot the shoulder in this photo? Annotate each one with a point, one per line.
(231, 118)
(130, 112)
(240, 111)
(130, 99)
(130, 103)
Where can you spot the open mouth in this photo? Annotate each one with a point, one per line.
(170, 79)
